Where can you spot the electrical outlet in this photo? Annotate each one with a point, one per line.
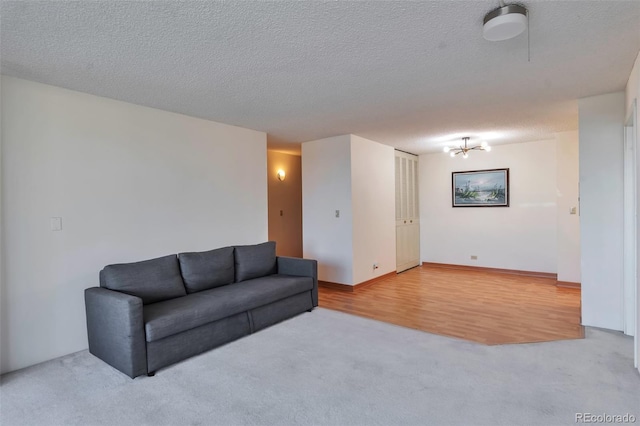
(474, 257)
(375, 266)
(337, 213)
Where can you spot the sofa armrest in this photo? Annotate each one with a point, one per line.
(115, 327)
(303, 268)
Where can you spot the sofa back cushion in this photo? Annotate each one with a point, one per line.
(207, 269)
(255, 261)
(152, 280)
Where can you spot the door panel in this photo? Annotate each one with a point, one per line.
(407, 214)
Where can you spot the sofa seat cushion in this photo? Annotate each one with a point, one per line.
(207, 269)
(170, 317)
(152, 280)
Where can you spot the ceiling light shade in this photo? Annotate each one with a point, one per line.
(505, 22)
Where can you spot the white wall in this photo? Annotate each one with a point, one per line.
(601, 120)
(632, 90)
(568, 233)
(633, 93)
(520, 237)
(373, 200)
(129, 182)
(326, 187)
(356, 176)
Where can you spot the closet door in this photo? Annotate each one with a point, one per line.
(407, 214)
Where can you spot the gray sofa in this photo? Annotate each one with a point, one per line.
(148, 315)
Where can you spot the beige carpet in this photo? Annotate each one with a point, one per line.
(330, 368)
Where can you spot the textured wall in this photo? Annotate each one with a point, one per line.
(567, 182)
(374, 215)
(129, 182)
(326, 187)
(601, 202)
(633, 93)
(356, 176)
(521, 236)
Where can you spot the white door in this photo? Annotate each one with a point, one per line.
(407, 214)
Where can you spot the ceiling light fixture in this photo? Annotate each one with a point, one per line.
(464, 150)
(505, 22)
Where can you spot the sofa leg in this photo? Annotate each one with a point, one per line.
(309, 310)
(151, 374)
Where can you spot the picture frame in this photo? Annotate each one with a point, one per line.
(480, 188)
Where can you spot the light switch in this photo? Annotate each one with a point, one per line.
(56, 223)
(572, 210)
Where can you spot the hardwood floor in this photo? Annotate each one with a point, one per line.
(485, 307)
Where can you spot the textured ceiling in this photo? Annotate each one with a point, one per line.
(413, 75)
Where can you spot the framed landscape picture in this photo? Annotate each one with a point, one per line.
(480, 188)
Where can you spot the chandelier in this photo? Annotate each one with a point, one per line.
(464, 150)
